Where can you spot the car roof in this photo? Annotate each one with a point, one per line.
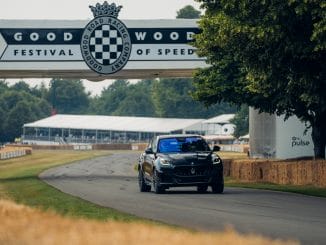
(177, 136)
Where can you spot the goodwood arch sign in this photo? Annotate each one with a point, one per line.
(105, 43)
(104, 47)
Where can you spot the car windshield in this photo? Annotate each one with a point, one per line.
(182, 144)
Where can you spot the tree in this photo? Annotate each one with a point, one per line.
(269, 55)
(68, 96)
(17, 108)
(3, 86)
(124, 99)
(138, 101)
(21, 113)
(40, 91)
(188, 12)
(2, 119)
(241, 121)
(171, 98)
(21, 86)
(111, 97)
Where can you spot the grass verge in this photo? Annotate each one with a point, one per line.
(19, 182)
(306, 189)
(23, 225)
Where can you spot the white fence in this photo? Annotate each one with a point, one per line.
(234, 148)
(12, 154)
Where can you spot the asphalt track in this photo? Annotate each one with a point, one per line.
(111, 181)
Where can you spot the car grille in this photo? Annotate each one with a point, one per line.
(184, 171)
(193, 179)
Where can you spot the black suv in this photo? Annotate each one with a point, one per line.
(180, 160)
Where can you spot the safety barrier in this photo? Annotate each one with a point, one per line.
(7, 153)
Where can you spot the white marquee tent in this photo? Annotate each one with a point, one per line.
(105, 129)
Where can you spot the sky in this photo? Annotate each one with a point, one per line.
(78, 9)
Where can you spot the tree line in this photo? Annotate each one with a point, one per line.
(20, 103)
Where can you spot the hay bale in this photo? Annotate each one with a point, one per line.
(293, 172)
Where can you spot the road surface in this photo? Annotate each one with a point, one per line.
(111, 181)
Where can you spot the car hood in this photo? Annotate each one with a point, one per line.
(188, 158)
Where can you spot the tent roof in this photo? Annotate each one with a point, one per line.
(114, 123)
(219, 137)
(244, 136)
(221, 119)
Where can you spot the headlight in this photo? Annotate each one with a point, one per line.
(216, 159)
(165, 162)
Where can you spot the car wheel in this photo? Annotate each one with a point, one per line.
(143, 187)
(218, 187)
(158, 189)
(202, 188)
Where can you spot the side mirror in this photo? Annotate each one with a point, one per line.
(216, 148)
(149, 151)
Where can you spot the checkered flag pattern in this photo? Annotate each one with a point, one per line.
(106, 44)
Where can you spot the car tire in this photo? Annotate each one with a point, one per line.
(143, 187)
(158, 188)
(202, 188)
(218, 183)
(218, 187)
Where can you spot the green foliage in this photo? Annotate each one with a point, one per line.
(269, 55)
(125, 99)
(3, 86)
(110, 98)
(68, 96)
(188, 12)
(153, 98)
(17, 108)
(2, 119)
(17, 116)
(21, 86)
(138, 101)
(241, 121)
(171, 98)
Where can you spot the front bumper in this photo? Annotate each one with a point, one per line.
(190, 175)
